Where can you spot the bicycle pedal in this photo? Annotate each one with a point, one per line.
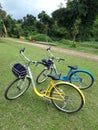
(48, 100)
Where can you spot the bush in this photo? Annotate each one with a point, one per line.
(81, 44)
(90, 45)
(41, 37)
(66, 42)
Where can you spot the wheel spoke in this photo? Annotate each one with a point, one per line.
(81, 79)
(17, 88)
(67, 98)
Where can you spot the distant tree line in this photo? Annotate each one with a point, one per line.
(78, 21)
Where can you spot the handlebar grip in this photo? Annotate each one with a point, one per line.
(48, 49)
(22, 50)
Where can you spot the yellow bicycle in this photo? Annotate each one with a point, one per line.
(65, 96)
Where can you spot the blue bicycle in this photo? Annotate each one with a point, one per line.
(81, 78)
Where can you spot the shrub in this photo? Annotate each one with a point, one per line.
(90, 45)
(66, 42)
(41, 37)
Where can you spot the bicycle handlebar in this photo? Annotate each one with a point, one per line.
(22, 50)
(22, 53)
(54, 57)
(34, 62)
(48, 49)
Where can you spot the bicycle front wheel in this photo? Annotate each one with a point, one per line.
(17, 88)
(42, 77)
(81, 79)
(67, 97)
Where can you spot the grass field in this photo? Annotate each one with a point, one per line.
(30, 112)
(80, 48)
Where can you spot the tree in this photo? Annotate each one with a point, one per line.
(86, 10)
(46, 22)
(39, 26)
(10, 25)
(95, 29)
(43, 17)
(58, 33)
(75, 30)
(28, 22)
(2, 25)
(27, 25)
(2, 13)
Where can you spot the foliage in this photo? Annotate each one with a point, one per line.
(41, 37)
(39, 27)
(11, 26)
(44, 18)
(2, 13)
(95, 29)
(59, 32)
(65, 42)
(77, 21)
(28, 23)
(89, 44)
(85, 10)
(2, 25)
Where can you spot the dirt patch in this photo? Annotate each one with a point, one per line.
(61, 50)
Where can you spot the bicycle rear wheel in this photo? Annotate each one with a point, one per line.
(81, 79)
(17, 88)
(67, 97)
(42, 77)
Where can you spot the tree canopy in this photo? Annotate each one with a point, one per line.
(77, 20)
(85, 10)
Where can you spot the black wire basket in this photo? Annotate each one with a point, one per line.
(19, 70)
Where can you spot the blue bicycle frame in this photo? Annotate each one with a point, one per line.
(81, 78)
(76, 77)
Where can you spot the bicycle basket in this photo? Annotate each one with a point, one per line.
(19, 70)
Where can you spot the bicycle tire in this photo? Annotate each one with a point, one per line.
(17, 88)
(70, 98)
(82, 79)
(42, 77)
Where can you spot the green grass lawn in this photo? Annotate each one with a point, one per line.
(80, 48)
(30, 112)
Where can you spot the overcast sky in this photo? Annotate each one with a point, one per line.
(20, 8)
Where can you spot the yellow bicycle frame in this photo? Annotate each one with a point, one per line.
(46, 93)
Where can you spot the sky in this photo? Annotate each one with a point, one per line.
(17, 9)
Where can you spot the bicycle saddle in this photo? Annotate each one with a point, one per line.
(73, 67)
(54, 77)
